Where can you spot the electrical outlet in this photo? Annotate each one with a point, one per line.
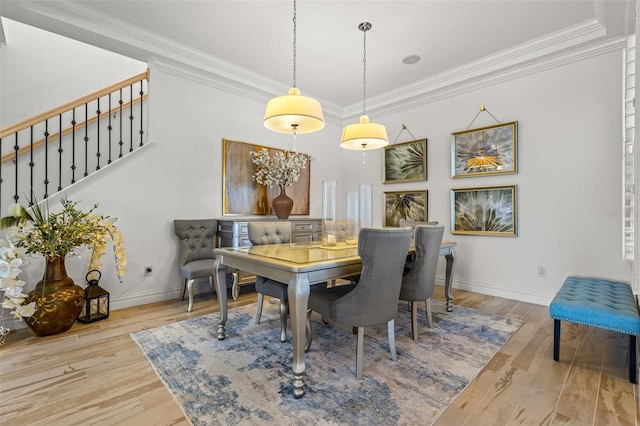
(148, 270)
(542, 271)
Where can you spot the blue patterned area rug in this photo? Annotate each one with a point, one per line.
(246, 379)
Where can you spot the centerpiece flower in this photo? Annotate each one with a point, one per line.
(281, 169)
(54, 236)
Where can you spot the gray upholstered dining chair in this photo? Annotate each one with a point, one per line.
(419, 278)
(271, 233)
(374, 299)
(403, 223)
(197, 241)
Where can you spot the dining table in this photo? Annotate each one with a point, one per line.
(300, 265)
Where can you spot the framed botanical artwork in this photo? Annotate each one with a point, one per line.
(405, 162)
(484, 211)
(409, 205)
(485, 151)
(243, 196)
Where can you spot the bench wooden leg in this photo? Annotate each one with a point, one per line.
(556, 339)
(632, 359)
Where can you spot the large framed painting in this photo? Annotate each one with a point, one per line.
(405, 162)
(485, 151)
(484, 211)
(409, 205)
(243, 196)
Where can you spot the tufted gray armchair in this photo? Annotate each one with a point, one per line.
(197, 241)
(261, 233)
(374, 299)
(418, 282)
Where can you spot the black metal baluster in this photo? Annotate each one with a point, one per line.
(32, 164)
(73, 147)
(121, 143)
(86, 140)
(98, 137)
(141, 102)
(131, 117)
(109, 128)
(46, 159)
(16, 148)
(60, 150)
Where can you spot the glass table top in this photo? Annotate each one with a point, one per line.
(300, 253)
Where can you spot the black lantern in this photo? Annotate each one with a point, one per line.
(96, 305)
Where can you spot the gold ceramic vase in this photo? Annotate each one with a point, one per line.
(58, 300)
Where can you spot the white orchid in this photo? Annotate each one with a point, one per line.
(14, 298)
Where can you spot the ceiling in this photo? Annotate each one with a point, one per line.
(252, 41)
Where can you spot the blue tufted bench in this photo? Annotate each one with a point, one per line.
(597, 303)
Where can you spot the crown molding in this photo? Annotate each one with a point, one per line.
(568, 45)
(555, 49)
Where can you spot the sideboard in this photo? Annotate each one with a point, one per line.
(234, 232)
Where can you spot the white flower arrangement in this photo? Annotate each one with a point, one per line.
(279, 168)
(11, 258)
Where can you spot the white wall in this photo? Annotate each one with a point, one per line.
(41, 70)
(568, 180)
(569, 177)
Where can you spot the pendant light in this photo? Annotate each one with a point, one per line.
(293, 113)
(364, 135)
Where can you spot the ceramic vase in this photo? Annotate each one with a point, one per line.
(59, 300)
(282, 204)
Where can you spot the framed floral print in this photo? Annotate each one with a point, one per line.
(484, 211)
(485, 151)
(408, 205)
(405, 162)
(243, 196)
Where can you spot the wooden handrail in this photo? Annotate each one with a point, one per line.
(73, 104)
(80, 125)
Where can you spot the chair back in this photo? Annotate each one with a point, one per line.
(403, 223)
(418, 283)
(374, 299)
(261, 233)
(197, 239)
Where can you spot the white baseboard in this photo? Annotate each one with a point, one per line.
(491, 290)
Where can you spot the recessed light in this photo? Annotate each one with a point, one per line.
(411, 59)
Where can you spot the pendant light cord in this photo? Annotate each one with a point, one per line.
(364, 29)
(294, 43)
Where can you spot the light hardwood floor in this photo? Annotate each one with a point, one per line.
(95, 373)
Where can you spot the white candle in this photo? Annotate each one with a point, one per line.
(331, 239)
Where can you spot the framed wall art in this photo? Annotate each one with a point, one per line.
(484, 211)
(243, 196)
(405, 162)
(409, 205)
(485, 151)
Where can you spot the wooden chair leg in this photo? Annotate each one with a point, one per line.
(556, 339)
(259, 307)
(190, 292)
(427, 307)
(633, 362)
(235, 288)
(184, 288)
(284, 312)
(391, 330)
(359, 353)
(309, 333)
(414, 320)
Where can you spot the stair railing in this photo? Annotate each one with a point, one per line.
(86, 130)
